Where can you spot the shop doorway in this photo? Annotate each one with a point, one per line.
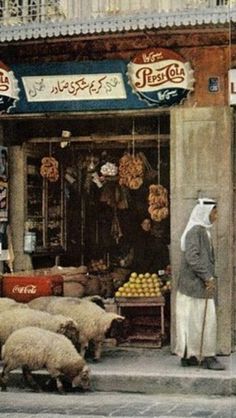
(107, 213)
(114, 171)
(101, 211)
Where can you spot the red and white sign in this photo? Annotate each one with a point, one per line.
(26, 288)
(9, 91)
(160, 77)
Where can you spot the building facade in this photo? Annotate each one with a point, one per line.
(189, 129)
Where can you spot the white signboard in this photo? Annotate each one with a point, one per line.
(232, 87)
(48, 88)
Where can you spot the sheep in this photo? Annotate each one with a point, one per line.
(19, 318)
(33, 348)
(94, 323)
(42, 302)
(7, 303)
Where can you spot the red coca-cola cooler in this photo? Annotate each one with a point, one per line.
(25, 287)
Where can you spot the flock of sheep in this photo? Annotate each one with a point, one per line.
(55, 333)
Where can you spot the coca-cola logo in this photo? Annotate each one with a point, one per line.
(160, 77)
(29, 289)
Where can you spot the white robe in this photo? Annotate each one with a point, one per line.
(189, 323)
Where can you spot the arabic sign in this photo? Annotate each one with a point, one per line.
(160, 77)
(101, 85)
(8, 89)
(74, 87)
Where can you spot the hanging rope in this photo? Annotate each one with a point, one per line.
(158, 153)
(133, 138)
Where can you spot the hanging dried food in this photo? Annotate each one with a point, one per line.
(150, 173)
(158, 202)
(49, 169)
(131, 171)
(116, 231)
(109, 170)
(113, 195)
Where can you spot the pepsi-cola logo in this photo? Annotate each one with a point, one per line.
(9, 91)
(160, 77)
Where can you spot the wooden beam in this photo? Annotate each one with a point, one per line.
(103, 140)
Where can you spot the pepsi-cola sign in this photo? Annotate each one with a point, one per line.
(160, 77)
(9, 91)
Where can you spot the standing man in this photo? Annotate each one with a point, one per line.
(150, 253)
(195, 301)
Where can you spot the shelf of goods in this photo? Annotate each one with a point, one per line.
(144, 302)
(143, 294)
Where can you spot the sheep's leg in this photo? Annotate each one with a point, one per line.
(56, 375)
(60, 386)
(83, 349)
(29, 379)
(4, 378)
(97, 350)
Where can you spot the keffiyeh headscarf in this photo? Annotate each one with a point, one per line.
(199, 216)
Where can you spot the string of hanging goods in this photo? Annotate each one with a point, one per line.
(131, 167)
(158, 195)
(49, 167)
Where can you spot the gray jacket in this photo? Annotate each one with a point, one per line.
(197, 263)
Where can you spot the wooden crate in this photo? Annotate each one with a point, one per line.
(141, 300)
(140, 332)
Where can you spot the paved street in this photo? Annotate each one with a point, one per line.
(25, 404)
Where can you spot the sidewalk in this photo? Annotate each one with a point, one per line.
(158, 371)
(154, 370)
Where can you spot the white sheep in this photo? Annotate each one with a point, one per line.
(17, 318)
(7, 303)
(94, 323)
(33, 348)
(42, 302)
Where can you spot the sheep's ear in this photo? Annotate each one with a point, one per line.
(61, 329)
(85, 371)
(120, 318)
(71, 326)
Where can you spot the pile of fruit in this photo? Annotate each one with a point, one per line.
(98, 265)
(143, 285)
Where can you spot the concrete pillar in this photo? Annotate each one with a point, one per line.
(201, 165)
(17, 207)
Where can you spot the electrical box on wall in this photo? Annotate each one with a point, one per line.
(213, 84)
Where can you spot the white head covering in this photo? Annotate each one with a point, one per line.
(199, 216)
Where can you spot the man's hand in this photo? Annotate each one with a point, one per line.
(210, 285)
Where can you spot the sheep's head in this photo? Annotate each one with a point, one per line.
(70, 329)
(114, 325)
(82, 379)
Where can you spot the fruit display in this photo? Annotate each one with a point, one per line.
(98, 265)
(143, 285)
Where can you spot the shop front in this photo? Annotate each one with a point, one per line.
(95, 149)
